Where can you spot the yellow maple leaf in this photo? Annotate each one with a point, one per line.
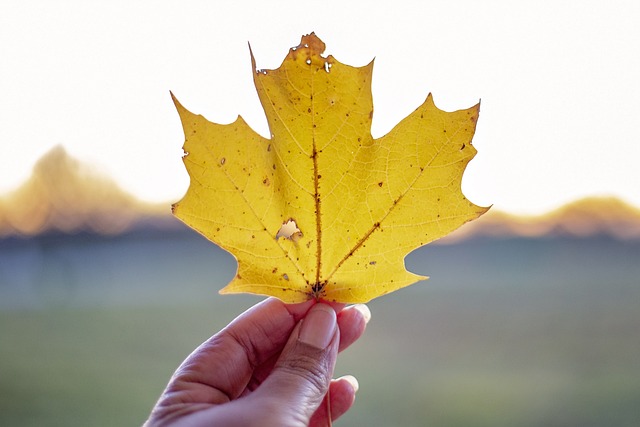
(321, 209)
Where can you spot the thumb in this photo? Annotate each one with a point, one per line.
(301, 377)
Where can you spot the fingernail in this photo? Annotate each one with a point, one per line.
(351, 380)
(318, 326)
(366, 313)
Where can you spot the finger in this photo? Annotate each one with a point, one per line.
(342, 394)
(352, 322)
(219, 370)
(301, 376)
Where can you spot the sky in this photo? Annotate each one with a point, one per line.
(558, 84)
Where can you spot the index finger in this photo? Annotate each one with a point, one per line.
(225, 362)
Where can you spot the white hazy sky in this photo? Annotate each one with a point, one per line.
(558, 80)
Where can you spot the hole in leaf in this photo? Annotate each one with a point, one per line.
(308, 61)
(289, 230)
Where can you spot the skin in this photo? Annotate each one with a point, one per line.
(271, 366)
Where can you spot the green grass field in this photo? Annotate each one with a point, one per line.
(525, 334)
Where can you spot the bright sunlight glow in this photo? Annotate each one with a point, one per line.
(557, 83)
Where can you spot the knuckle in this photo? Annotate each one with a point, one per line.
(313, 370)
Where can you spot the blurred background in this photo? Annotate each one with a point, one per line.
(531, 316)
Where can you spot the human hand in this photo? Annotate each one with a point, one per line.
(271, 366)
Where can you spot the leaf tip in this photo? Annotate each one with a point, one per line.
(253, 58)
(309, 51)
(429, 102)
(177, 103)
(484, 209)
(313, 43)
(176, 211)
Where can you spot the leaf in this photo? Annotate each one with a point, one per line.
(321, 209)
